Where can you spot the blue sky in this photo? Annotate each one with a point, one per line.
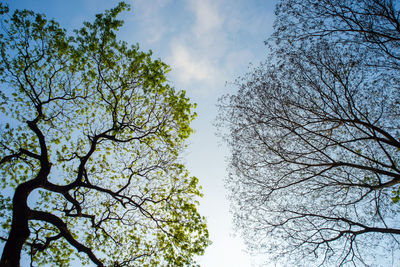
(207, 43)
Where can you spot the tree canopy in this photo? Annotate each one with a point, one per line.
(90, 139)
(314, 134)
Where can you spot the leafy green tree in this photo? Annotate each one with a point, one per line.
(90, 139)
(314, 134)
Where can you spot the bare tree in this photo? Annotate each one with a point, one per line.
(315, 138)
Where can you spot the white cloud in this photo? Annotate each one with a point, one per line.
(216, 45)
(191, 67)
(151, 19)
(195, 55)
(207, 16)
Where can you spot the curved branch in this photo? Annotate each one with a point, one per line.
(64, 231)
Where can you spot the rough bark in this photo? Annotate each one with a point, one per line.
(19, 232)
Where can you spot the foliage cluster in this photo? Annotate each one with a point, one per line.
(90, 148)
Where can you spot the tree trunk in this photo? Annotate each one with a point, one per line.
(19, 229)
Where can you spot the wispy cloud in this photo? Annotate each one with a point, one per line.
(151, 19)
(214, 43)
(208, 18)
(191, 67)
(195, 55)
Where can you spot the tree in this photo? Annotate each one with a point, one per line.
(314, 135)
(90, 140)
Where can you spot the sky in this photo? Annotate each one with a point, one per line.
(208, 44)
